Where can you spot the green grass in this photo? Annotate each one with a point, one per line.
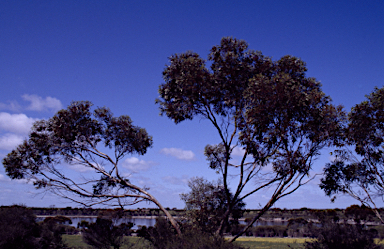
(76, 241)
(270, 243)
(248, 242)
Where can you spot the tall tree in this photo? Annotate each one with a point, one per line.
(269, 109)
(95, 140)
(360, 173)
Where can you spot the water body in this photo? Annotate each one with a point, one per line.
(149, 221)
(136, 220)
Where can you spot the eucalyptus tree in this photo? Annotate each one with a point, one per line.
(95, 140)
(268, 109)
(360, 173)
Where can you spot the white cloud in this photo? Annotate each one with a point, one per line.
(134, 164)
(10, 106)
(183, 180)
(178, 153)
(4, 178)
(18, 123)
(237, 151)
(79, 168)
(10, 141)
(40, 104)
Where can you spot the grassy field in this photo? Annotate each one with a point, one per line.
(247, 242)
(270, 243)
(131, 242)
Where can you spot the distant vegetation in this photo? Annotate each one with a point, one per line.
(283, 214)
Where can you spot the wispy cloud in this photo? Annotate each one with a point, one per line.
(178, 153)
(140, 180)
(17, 123)
(183, 180)
(10, 106)
(37, 103)
(10, 141)
(135, 165)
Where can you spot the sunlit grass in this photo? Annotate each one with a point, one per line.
(248, 242)
(76, 241)
(274, 239)
(271, 243)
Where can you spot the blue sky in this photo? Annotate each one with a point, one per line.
(112, 53)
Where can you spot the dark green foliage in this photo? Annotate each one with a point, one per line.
(164, 236)
(334, 233)
(358, 213)
(336, 236)
(83, 224)
(102, 234)
(51, 233)
(269, 231)
(18, 228)
(59, 219)
(360, 177)
(270, 109)
(207, 203)
(366, 127)
(299, 227)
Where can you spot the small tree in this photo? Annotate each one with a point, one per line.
(269, 110)
(360, 173)
(52, 230)
(76, 136)
(206, 205)
(103, 234)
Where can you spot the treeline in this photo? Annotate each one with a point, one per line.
(275, 213)
(70, 211)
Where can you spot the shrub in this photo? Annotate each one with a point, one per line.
(102, 234)
(337, 236)
(163, 236)
(270, 231)
(19, 229)
(299, 227)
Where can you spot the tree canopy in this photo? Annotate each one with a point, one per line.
(269, 109)
(359, 173)
(96, 140)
